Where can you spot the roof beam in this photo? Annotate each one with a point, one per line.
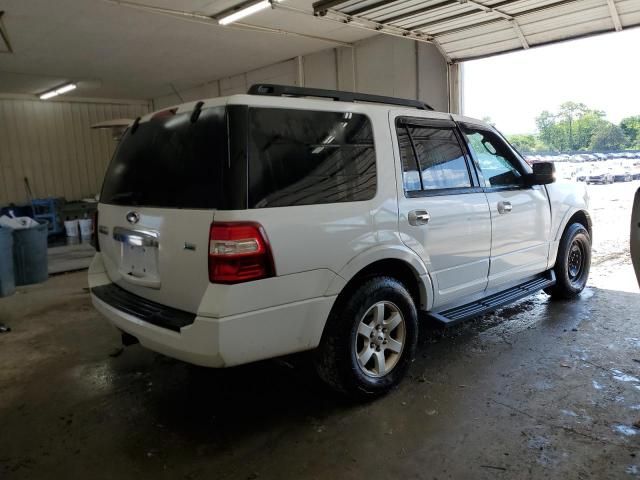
(614, 15)
(460, 15)
(363, 23)
(371, 7)
(515, 15)
(519, 33)
(321, 7)
(509, 18)
(420, 11)
(488, 9)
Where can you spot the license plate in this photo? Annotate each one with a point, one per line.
(139, 261)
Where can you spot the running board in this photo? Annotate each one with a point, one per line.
(456, 315)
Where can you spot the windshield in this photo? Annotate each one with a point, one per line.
(170, 162)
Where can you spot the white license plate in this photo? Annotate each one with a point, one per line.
(139, 261)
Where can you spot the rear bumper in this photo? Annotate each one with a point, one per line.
(229, 340)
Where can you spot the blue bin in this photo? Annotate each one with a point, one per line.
(30, 254)
(7, 280)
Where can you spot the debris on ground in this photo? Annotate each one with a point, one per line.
(4, 328)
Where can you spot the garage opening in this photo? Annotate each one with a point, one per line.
(570, 104)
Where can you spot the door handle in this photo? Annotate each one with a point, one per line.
(504, 207)
(419, 217)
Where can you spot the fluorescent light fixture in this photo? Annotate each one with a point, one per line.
(248, 9)
(58, 91)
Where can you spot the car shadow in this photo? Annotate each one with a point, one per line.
(224, 405)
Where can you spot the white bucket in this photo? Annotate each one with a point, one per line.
(85, 227)
(71, 227)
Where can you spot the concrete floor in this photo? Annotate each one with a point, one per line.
(540, 389)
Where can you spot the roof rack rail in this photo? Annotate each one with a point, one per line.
(340, 96)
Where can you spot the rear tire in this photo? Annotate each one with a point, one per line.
(369, 340)
(573, 263)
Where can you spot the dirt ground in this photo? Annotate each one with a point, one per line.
(540, 389)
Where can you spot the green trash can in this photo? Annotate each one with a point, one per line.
(7, 279)
(30, 254)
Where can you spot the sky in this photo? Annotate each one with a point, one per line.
(602, 72)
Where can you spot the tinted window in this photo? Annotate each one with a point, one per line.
(497, 163)
(169, 161)
(410, 172)
(300, 157)
(438, 161)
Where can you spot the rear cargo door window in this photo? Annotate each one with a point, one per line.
(303, 157)
(170, 161)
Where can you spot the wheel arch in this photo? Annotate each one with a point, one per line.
(396, 262)
(580, 216)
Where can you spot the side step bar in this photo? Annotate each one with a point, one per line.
(456, 315)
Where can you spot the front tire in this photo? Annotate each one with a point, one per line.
(369, 340)
(572, 263)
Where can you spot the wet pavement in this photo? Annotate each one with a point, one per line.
(540, 389)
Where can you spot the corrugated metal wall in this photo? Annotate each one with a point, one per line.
(51, 144)
(380, 65)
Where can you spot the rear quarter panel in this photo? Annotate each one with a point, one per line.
(328, 236)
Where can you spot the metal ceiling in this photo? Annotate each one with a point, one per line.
(468, 29)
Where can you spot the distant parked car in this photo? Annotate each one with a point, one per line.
(622, 177)
(601, 178)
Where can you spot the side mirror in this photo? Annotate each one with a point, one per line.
(544, 173)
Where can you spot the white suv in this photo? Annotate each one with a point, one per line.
(253, 226)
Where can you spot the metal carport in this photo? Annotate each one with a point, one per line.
(469, 29)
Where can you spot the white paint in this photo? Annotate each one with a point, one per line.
(626, 430)
(624, 377)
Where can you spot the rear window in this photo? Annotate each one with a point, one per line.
(302, 157)
(170, 162)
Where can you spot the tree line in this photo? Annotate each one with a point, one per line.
(576, 127)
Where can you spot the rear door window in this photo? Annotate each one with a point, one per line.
(171, 162)
(303, 157)
(432, 158)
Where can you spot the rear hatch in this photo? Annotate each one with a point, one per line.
(157, 204)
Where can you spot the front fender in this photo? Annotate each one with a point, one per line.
(565, 200)
(386, 252)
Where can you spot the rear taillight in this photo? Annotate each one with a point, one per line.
(239, 252)
(95, 241)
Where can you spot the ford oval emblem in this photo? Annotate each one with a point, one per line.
(133, 217)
